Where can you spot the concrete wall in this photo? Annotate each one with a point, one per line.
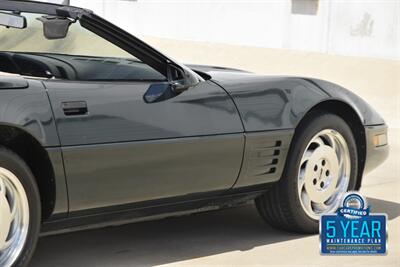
(367, 28)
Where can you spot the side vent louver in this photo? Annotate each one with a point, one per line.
(264, 157)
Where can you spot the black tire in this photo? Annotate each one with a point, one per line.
(281, 206)
(12, 162)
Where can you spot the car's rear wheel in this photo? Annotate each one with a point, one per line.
(321, 166)
(19, 211)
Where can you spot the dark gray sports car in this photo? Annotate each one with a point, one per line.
(98, 128)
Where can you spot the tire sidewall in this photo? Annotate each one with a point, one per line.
(18, 167)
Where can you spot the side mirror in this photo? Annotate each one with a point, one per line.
(55, 27)
(12, 20)
(182, 78)
(159, 92)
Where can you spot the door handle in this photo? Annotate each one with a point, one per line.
(74, 108)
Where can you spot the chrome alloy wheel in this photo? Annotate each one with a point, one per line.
(14, 217)
(324, 173)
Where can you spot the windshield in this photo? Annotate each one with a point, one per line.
(81, 55)
(79, 41)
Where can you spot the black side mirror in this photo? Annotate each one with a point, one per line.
(55, 27)
(159, 92)
(12, 20)
(182, 78)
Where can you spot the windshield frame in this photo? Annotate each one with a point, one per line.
(147, 54)
(101, 27)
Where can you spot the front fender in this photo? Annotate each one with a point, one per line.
(366, 112)
(272, 103)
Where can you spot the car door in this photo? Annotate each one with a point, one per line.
(119, 149)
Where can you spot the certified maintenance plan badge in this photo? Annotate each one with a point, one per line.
(353, 229)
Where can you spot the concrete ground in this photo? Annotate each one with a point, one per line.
(238, 237)
(234, 237)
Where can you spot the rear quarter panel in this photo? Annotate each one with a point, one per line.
(30, 110)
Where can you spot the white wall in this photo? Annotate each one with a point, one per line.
(366, 28)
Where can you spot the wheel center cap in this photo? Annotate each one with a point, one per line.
(322, 173)
(5, 219)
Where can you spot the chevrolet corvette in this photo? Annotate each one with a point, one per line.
(98, 128)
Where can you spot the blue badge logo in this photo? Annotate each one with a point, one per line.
(353, 229)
